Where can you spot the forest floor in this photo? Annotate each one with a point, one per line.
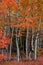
(39, 61)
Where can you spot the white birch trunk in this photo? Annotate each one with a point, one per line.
(11, 45)
(36, 47)
(27, 43)
(37, 40)
(32, 39)
(18, 52)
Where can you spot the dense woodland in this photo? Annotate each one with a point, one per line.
(21, 28)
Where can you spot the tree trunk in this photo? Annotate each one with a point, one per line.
(27, 43)
(32, 39)
(38, 30)
(36, 47)
(11, 45)
(18, 52)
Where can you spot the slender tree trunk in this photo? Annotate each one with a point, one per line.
(36, 47)
(18, 52)
(37, 39)
(11, 44)
(27, 43)
(32, 39)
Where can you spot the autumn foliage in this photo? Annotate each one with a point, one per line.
(19, 15)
